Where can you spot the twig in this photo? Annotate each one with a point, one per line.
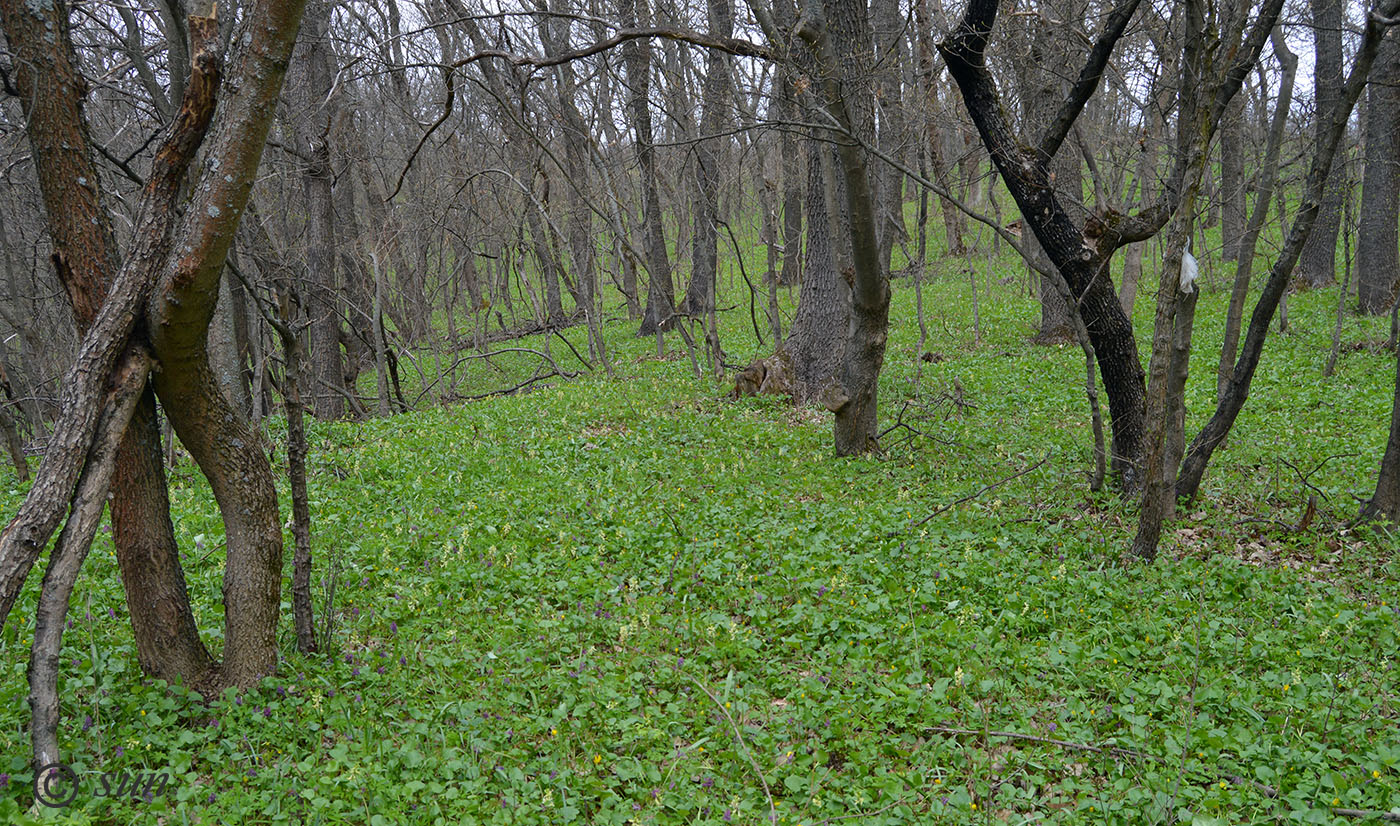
(1014, 735)
(509, 390)
(971, 496)
(1388, 817)
(560, 336)
(768, 793)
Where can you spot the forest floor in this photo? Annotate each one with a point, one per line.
(636, 601)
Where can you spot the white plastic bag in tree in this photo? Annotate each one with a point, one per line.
(1189, 271)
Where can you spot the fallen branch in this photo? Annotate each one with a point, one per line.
(1034, 738)
(768, 793)
(970, 496)
(509, 390)
(1388, 817)
(559, 371)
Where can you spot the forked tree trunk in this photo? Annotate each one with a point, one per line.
(167, 641)
(1081, 255)
(61, 150)
(1232, 401)
(294, 351)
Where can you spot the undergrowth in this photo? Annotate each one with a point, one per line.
(635, 601)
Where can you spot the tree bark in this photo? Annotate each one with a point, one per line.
(1318, 265)
(1385, 504)
(313, 130)
(636, 61)
(1377, 264)
(840, 42)
(60, 147)
(818, 331)
(887, 25)
(1264, 192)
(1232, 194)
(704, 240)
(1081, 255)
(74, 541)
(934, 127)
(179, 311)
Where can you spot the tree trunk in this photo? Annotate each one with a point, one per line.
(1043, 84)
(888, 30)
(1318, 264)
(1232, 194)
(168, 644)
(218, 437)
(933, 138)
(313, 139)
(1377, 265)
(841, 46)
(1264, 192)
(1385, 504)
(793, 182)
(292, 348)
(1232, 401)
(636, 59)
(699, 298)
(1082, 256)
(818, 331)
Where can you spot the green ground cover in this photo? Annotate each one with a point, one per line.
(635, 601)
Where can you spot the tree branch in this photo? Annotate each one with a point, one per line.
(1088, 81)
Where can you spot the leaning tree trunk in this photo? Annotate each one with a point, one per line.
(1264, 193)
(1227, 410)
(105, 303)
(1377, 265)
